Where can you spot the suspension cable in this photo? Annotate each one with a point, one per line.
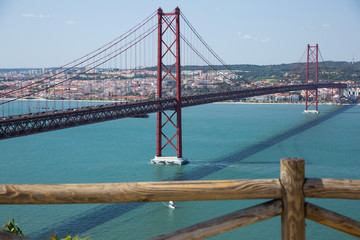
(130, 43)
(207, 46)
(106, 46)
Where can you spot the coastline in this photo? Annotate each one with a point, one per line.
(296, 103)
(63, 100)
(226, 102)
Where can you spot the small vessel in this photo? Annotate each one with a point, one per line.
(172, 205)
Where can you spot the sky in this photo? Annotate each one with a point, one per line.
(43, 33)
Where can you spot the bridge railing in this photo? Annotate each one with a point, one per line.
(288, 194)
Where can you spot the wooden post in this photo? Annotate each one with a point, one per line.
(292, 178)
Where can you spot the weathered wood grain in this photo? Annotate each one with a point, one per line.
(332, 219)
(332, 188)
(227, 222)
(140, 192)
(293, 214)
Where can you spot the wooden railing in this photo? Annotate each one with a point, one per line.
(288, 194)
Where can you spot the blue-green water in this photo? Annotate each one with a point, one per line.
(222, 141)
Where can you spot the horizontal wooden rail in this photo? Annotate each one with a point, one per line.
(179, 191)
(140, 192)
(332, 188)
(332, 219)
(226, 222)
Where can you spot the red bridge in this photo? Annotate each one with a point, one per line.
(127, 55)
(20, 125)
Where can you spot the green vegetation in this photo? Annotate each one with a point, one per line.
(329, 70)
(12, 228)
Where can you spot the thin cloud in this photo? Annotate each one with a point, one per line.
(247, 36)
(325, 25)
(32, 15)
(70, 22)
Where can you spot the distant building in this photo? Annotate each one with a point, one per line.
(294, 98)
(259, 98)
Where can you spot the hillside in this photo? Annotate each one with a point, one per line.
(329, 70)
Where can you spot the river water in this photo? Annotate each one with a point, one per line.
(222, 141)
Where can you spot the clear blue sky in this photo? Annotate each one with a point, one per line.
(43, 33)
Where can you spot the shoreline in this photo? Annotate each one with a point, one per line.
(226, 102)
(64, 100)
(287, 103)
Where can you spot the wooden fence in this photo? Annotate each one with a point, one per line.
(288, 194)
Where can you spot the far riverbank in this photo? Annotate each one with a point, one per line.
(290, 103)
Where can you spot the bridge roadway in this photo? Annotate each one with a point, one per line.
(20, 125)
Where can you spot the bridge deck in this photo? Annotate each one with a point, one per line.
(20, 125)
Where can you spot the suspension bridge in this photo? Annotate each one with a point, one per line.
(163, 63)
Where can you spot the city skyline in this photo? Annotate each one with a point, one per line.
(49, 34)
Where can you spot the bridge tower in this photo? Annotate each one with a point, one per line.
(169, 63)
(312, 73)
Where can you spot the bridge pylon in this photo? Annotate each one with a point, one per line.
(312, 74)
(169, 63)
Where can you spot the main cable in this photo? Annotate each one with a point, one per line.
(207, 45)
(116, 40)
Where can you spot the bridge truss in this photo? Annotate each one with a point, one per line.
(21, 125)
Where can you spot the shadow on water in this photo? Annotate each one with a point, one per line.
(102, 214)
(236, 157)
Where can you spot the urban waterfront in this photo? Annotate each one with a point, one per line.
(222, 141)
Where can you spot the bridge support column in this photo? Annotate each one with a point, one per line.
(169, 63)
(312, 72)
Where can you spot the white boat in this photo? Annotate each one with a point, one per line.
(171, 205)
